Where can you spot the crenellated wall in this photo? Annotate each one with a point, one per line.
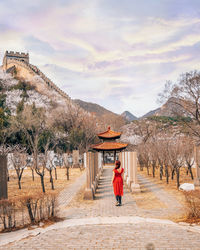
(27, 71)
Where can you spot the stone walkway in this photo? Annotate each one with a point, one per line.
(99, 224)
(68, 194)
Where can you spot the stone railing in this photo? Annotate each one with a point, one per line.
(35, 70)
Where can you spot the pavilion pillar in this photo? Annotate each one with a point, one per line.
(115, 156)
(134, 185)
(89, 192)
(197, 164)
(103, 158)
(3, 177)
(120, 158)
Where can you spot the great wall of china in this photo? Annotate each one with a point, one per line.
(19, 62)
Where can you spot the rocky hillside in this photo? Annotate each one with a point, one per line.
(36, 91)
(129, 116)
(170, 109)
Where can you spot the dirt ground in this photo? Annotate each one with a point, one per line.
(171, 187)
(30, 186)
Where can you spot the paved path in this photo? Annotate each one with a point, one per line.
(173, 206)
(99, 224)
(68, 193)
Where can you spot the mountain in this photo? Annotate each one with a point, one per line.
(171, 108)
(151, 113)
(128, 116)
(94, 108)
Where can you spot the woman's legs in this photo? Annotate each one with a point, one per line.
(120, 200)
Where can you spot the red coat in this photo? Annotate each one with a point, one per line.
(118, 182)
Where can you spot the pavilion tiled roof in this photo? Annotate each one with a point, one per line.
(106, 146)
(109, 134)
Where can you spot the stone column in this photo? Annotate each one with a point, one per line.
(123, 159)
(129, 179)
(75, 155)
(3, 177)
(95, 181)
(128, 169)
(92, 169)
(197, 164)
(89, 194)
(135, 187)
(85, 160)
(125, 166)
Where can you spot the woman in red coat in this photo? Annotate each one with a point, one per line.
(117, 181)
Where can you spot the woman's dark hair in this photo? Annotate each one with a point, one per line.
(117, 164)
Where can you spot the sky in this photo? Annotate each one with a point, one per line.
(115, 53)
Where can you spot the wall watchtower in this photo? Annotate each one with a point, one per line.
(16, 56)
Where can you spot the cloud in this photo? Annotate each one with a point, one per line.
(119, 57)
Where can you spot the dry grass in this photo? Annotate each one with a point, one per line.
(29, 186)
(171, 187)
(147, 200)
(79, 201)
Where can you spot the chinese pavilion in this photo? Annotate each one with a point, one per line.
(109, 143)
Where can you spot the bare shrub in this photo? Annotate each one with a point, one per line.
(40, 207)
(193, 203)
(7, 214)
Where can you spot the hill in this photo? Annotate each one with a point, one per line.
(171, 108)
(129, 116)
(102, 114)
(94, 108)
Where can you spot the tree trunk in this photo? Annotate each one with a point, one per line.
(19, 184)
(177, 177)
(55, 173)
(67, 173)
(28, 204)
(33, 177)
(153, 166)
(51, 180)
(148, 170)
(190, 170)
(167, 175)
(173, 173)
(161, 172)
(42, 183)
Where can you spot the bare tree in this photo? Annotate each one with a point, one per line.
(33, 122)
(19, 163)
(66, 164)
(188, 153)
(185, 95)
(176, 157)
